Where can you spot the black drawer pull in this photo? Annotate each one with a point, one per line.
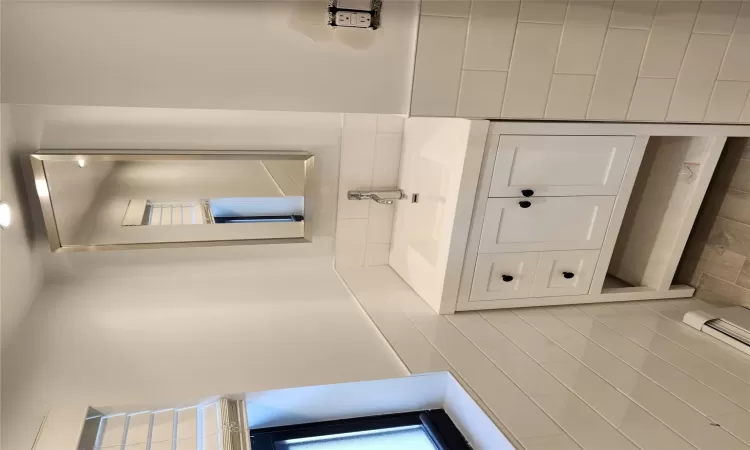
(507, 278)
(568, 275)
(524, 204)
(527, 192)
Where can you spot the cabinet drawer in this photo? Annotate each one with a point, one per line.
(564, 273)
(560, 165)
(506, 275)
(503, 276)
(545, 223)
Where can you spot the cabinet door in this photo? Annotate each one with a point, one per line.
(502, 276)
(560, 165)
(549, 223)
(564, 273)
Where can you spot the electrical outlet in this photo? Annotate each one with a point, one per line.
(354, 13)
(344, 18)
(361, 19)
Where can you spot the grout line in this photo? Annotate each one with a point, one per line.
(599, 64)
(367, 313)
(504, 373)
(443, 15)
(175, 422)
(149, 436)
(597, 319)
(671, 340)
(614, 27)
(546, 23)
(732, 220)
(510, 58)
(555, 377)
(499, 423)
(682, 63)
(463, 61)
(659, 419)
(557, 58)
(125, 431)
(640, 68)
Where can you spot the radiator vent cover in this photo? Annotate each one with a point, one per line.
(729, 325)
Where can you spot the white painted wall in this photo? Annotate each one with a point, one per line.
(125, 327)
(441, 162)
(257, 55)
(70, 127)
(20, 260)
(161, 326)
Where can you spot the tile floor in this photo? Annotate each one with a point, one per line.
(606, 376)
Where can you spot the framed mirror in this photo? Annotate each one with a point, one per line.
(128, 200)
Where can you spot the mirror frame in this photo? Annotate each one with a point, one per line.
(53, 236)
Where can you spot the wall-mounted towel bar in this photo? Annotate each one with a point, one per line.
(385, 197)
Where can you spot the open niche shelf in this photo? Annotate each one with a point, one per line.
(667, 194)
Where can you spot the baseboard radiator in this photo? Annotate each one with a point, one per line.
(729, 325)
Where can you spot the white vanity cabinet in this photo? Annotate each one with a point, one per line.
(549, 213)
(554, 166)
(545, 223)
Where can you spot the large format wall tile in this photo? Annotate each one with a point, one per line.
(655, 61)
(669, 37)
(531, 69)
(481, 93)
(542, 11)
(437, 71)
(717, 17)
(634, 14)
(651, 98)
(727, 101)
(569, 96)
(736, 65)
(492, 27)
(618, 71)
(582, 37)
(697, 76)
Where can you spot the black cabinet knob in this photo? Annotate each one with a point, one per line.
(527, 192)
(568, 275)
(524, 204)
(507, 278)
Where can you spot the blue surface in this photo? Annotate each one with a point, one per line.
(406, 438)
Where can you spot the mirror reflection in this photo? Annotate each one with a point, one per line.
(103, 201)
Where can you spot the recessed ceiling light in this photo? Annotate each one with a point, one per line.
(4, 215)
(81, 163)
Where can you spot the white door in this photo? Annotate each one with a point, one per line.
(564, 273)
(549, 223)
(502, 276)
(560, 165)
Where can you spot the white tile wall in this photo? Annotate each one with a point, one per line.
(437, 73)
(476, 87)
(370, 159)
(592, 377)
(651, 99)
(489, 42)
(669, 60)
(697, 78)
(569, 96)
(531, 66)
(617, 74)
